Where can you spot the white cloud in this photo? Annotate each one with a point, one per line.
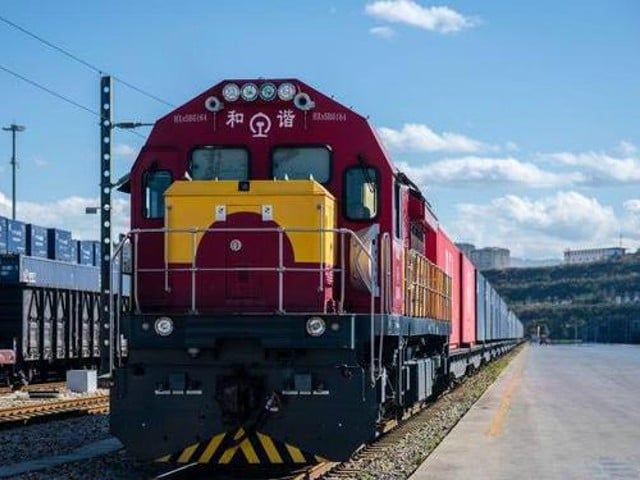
(382, 32)
(632, 206)
(420, 138)
(438, 19)
(627, 148)
(69, 214)
(630, 225)
(125, 151)
(538, 228)
(601, 168)
(486, 171)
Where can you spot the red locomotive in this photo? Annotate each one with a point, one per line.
(291, 288)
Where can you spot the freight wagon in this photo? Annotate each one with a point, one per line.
(293, 289)
(45, 331)
(49, 302)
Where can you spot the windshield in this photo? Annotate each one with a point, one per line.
(221, 163)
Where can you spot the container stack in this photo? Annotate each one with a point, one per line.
(16, 237)
(3, 235)
(49, 257)
(85, 252)
(37, 241)
(59, 245)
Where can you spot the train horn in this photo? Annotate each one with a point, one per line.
(213, 104)
(303, 101)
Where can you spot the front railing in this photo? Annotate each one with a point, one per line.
(339, 267)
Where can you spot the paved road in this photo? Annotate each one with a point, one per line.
(558, 412)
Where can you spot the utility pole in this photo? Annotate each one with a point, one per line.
(106, 317)
(109, 341)
(13, 128)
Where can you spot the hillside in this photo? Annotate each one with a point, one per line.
(594, 302)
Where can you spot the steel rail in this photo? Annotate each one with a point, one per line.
(84, 405)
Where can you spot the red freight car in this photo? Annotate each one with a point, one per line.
(443, 252)
(468, 301)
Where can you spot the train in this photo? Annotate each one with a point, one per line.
(292, 289)
(49, 303)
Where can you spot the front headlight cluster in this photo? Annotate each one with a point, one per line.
(266, 91)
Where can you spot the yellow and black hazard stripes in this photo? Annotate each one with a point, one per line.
(211, 448)
(243, 443)
(242, 448)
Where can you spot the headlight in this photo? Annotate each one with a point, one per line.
(316, 326)
(163, 326)
(231, 92)
(268, 91)
(249, 92)
(286, 91)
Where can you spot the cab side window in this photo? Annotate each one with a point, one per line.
(361, 193)
(155, 182)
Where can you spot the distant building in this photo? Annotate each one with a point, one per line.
(593, 255)
(489, 258)
(466, 248)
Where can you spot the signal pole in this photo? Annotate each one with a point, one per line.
(13, 128)
(106, 318)
(109, 341)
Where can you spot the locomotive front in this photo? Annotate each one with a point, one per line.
(259, 318)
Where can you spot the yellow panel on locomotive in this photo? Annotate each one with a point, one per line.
(303, 209)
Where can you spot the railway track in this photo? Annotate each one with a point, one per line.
(37, 387)
(49, 410)
(317, 471)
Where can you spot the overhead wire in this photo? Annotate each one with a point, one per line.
(48, 90)
(60, 96)
(83, 62)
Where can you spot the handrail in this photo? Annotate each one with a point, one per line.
(112, 321)
(135, 233)
(383, 291)
(416, 286)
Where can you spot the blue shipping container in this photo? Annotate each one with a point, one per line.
(3, 235)
(16, 237)
(481, 307)
(59, 244)
(37, 241)
(96, 253)
(74, 251)
(85, 252)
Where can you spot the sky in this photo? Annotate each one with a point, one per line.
(519, 120)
